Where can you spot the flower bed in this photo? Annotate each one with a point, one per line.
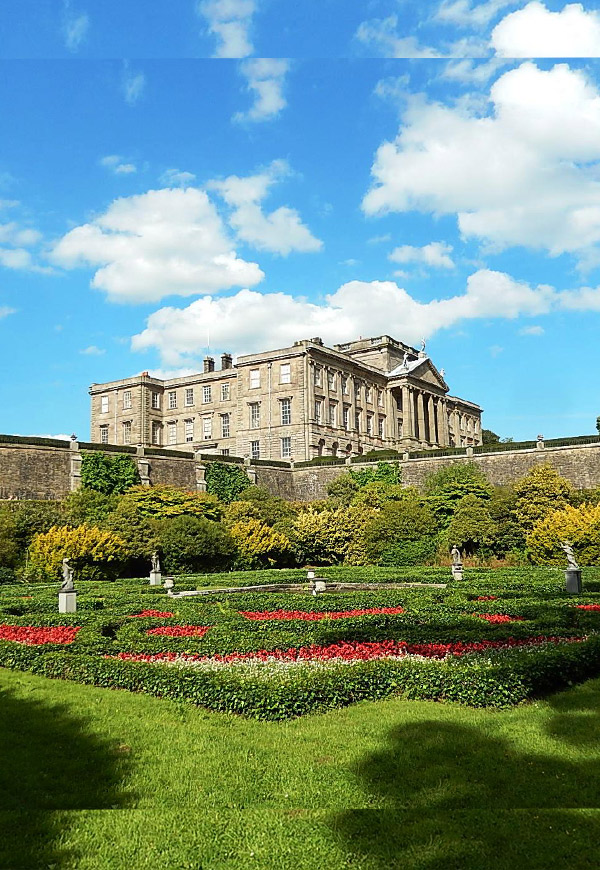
(179, 630)
(32, 635)
(158, 614)
(587, 606)
(316, 615)
(497, 618)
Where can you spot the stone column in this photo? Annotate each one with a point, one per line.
(75, 466)
(443, 418)
(200, 477)
(432, 434)
(408, 430)
(144, 471)
(421, 415)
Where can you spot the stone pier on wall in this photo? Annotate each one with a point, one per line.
(36, 471)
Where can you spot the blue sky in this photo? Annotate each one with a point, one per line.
(248, 173)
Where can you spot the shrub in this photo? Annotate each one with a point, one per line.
(191, 544)
(260, 546)
(162, 502)
(226, 481)
(398, 522)
(386, 472)
(96, 554)
(9, 543)
(342, 490)
(471, 528)
(579, 525)
(539, 493)
(405, 553)
(7, 575)
(88, 507)
(108, 474)
(331, 536)
(448, 486)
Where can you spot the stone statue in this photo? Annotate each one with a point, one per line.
(405, 361)
(456, 556)
(571, 560)
(67, 572)
(423, 343)
(155, 563)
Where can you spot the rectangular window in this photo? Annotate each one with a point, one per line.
(331, 379)
(286, 412)
(155, 401)
(381, 427)
(127, 400)
(369, 424)
(369, 392)
(189, 430)
(254, 415)
(206, 395)
(172, 399)
(254, 379)
(225, 427)
(357, 391)
(156, 429)
(344, 385)
(286, 448)
(127, 432)
(346, 418)
(207, 429)
(318, 376)
(255, 449)
(380, 398)
(318, 411)
(172, 433)
(225, 392)
(357, 421)
(332, 414)
(104, 405)
(225, 451)
(285, 373)
(103, 434)
(189, 396)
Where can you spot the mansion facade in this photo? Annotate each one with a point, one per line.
(295, 403)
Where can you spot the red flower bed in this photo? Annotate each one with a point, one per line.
(588, 606)
(353, 651)
(36, 635)
(156, 613)
(486, 598)
(314, 615)
(495, 618)
(180, 630)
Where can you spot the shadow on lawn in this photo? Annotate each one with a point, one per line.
(454, 799)
(49, 764)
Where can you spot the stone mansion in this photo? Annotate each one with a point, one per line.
(295, 403)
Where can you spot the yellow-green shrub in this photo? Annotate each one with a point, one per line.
(96, 554)
(260, 546)
(332, 536)
(579, 525)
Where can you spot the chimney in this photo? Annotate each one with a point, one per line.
(226, 361)
(209, 364)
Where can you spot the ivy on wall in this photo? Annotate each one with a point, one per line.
(108, 474)
(226, 481)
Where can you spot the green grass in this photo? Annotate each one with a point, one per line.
(93, 779)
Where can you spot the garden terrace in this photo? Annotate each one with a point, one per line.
(495, 639)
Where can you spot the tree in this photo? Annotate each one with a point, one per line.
(342, 490)
(191, 544)
(396, 523)
(471, 528)
(260, 546)
(509, 535)
(9, 542)
(489, 437)
(447, 487)
(539, 493)
(88, 506)
(108, 474)
(578, 525)
(598, 425)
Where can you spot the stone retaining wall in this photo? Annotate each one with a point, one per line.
(29, 471)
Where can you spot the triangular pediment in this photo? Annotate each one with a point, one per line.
(420, 370)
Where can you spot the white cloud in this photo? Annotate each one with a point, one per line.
(230, 22)
(177, 178)
(532, 330)
(584, 299)
(133, 84)
(380, 35)
(435, 254)
(156, 244)
(6, 310)
(265, 79)
(250, 321)
(495, 350)
(472, 72)
(75, 26)
(116, 164)
(14, 234)
(466, 13)
(536, 31)
(281, 231)
(526, 174)
(92, 350)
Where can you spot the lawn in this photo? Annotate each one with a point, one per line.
(94, 778)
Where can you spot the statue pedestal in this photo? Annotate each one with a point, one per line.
(67, 602)
(457, 572)
(573, 578)
(155, 578)
(318, 586)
